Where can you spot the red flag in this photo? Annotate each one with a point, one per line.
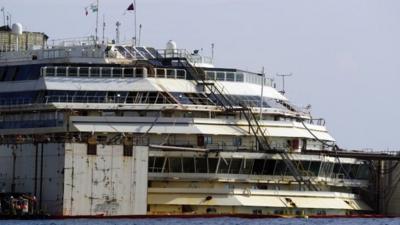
(131, 7)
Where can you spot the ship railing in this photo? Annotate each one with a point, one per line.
(12, 47)
(193, 58)
(8, 48)
(121, 99)
(339, 177)
(83, 99)
(319, 121)
(153, 169)
(302, 109)
(70, 42)
(60, 52)
(15, 56)
(104, 100)
(172, 53)
(198, 59)
(54, 53)
(378, 152)
(226, 147)
(284, 176)
(294, 108)
(238, 76)
(372, 152)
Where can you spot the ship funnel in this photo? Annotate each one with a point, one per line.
(17, 28)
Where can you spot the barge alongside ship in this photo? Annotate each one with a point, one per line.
(107, 129)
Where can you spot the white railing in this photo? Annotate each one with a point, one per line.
(70, 42)
(16, 56)
(183, 53)
(239, 76)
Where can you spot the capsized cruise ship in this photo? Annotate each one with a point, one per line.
(109, 129)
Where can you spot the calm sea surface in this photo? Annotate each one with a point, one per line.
(218, 221)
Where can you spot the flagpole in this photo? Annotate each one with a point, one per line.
(135, 9)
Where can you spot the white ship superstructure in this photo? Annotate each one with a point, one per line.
(110, 129)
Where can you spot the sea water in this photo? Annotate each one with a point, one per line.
(202, 221)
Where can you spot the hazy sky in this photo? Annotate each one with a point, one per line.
(344, 54)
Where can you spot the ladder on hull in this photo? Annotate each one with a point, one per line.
(264, 145)
(230, 104)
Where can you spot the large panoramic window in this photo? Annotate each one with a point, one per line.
(201, 165)
(117, 72)
(72, 71)
(105, 72)
(61, 71)
(188, 165)
(128, 72)
(174, 165)
(239, 77)
(230, 77)
(84, 71)
(94, 72)
(256, 167)
(220, 76)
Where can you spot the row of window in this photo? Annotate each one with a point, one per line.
(254, 167)
(253, 101)
(30, 124)
(225, 76)
(123, 97)
(118, 72)
(108, 97)
(108, 72)
(31, 120)
(49, 96)
(30, 97)
(32, 72)
(112, 72)
(208, 141)
(237, 77)
(24, 116)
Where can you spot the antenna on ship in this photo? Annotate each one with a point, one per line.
(9, 19)
(118, 24)
(140, 34)
(104, 27)
(95, 8)
(134, 10)
(3, 10)
(212, 51)
(262, 91)
(283, 81)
